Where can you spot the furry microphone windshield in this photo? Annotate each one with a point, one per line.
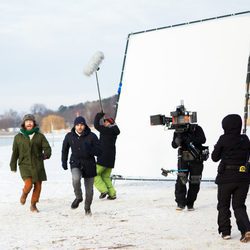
(94, 63)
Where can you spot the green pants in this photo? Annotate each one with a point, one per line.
(103, 182)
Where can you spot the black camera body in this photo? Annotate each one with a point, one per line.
(180, 120)
(183, 121)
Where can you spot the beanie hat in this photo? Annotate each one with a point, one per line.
(79, 120)
(29, 117)
(110, 120)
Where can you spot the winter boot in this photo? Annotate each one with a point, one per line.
(226, 236)
(33, 207)
(23, 198)
(103, 195)
(75, 203)
(111, 197)
(180, 207)
(245, 237)
(190, 208)
(88, 212)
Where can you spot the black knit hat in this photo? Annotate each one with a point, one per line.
(80, 120)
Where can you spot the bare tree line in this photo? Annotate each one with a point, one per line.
(13, 119)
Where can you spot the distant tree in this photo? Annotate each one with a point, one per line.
(62, 109)
(38, 109)
(10, 119)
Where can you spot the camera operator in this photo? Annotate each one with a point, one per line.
(190, 165)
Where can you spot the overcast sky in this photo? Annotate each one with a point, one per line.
(45, 44)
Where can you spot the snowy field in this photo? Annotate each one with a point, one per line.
(143, 216)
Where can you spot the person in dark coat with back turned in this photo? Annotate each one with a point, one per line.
(233, 177)
(84, 146)
(188, 166)
(106, 160)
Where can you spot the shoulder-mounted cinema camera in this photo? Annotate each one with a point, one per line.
(180, 120)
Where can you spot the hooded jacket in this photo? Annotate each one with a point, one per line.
(232, 148)
(108, 136)
(84, 148)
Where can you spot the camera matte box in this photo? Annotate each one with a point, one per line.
(156, 120)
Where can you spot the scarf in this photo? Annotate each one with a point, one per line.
(26, 133)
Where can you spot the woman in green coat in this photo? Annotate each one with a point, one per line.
(30, 149)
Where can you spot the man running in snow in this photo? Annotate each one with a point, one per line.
(30, 148)
(106, 161)
(84, 146)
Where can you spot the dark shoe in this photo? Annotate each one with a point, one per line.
(111, 197)
(180, 207)
(23, 198)
(226, 236)
(75, 203)
(245, 237)
(103, 195)
(33, 208)
(242, 237)
(190, 208)
(88, 212)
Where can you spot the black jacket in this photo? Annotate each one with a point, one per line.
(194, 135)
(84, 148)
(108, 136)
(232, 148)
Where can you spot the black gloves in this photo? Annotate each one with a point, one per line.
(64, 165)
(181, 139)
(178, 141)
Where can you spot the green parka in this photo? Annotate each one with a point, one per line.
(30, 155)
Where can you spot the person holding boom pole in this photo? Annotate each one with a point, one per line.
(106, 160)
(108, 135)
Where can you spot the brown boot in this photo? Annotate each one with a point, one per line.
(23, 198)
(245, 237)
(33, 207)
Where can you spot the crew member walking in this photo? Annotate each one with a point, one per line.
(233, 177)
(190, 165)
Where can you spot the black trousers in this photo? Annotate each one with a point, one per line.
(185, 197)
(237, 193)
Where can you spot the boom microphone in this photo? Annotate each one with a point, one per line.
(93, 67)
(94, 63)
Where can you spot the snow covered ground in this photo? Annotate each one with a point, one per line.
(143, 216)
